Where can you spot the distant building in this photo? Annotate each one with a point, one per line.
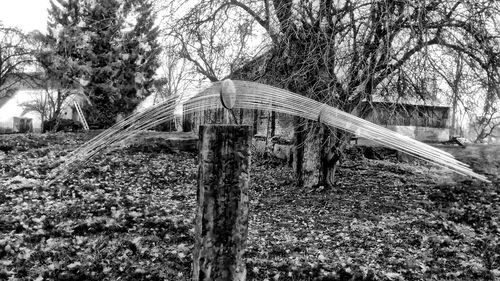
(427, 121)
(14, 116)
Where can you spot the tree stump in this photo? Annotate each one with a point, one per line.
(222, 213)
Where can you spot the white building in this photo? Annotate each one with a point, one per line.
(15, 116)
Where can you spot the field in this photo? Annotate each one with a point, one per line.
(128, 215)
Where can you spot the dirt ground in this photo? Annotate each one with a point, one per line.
(128, 215)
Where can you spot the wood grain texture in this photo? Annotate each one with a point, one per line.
(222, 213)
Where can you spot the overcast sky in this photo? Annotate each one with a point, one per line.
(25, 14)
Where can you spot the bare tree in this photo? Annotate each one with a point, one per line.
(43, 103)
(344, 52)
(486, 124)
(216, 45)
(15, 55)
(175, 76)
(50, 100)
(57, 85)
(486, 112)
(452, 68)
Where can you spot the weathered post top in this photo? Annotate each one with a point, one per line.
(228, 94)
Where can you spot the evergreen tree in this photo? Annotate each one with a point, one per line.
(139, 51)
(115, 45)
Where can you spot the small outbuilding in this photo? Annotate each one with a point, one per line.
(16, 107)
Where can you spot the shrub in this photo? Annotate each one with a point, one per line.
(66, 125)
(6, 130)
(168, 126)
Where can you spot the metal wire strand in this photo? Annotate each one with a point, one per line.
(252, 95)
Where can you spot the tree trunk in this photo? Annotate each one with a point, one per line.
(42, 126)
(273, 123)
(306, 153)
(298, 151)
(255, 121)
(222, 212)
(318, 152)
(335, 143)
(454, 112)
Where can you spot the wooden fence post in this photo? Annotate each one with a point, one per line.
(222, 213)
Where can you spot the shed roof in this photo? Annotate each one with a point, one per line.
(430, 102)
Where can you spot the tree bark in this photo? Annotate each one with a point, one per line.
(273, 123)
(298, 151)
(318, 152)
(255, 121)
(222, 213)
(307, 153)
(454, 112)
(335, 143)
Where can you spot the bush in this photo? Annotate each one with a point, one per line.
(6, 130)
(66, 125)
(168, 126)
(100, 117)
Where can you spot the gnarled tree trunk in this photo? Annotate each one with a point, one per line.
(306, 163)
(318, 152)
(332, 152)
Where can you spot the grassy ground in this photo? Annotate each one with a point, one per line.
(128, 215)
